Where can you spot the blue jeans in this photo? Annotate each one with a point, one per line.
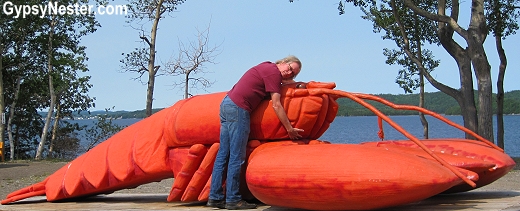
(234, 133)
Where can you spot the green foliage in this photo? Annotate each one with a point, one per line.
(136, 61)
(513, 95)
(502, 17)
(145, 9)
(67, 142)
(511, 102)
(135, 114)
(409, 37)
(435, 101)
(102, 129)
(28, 46)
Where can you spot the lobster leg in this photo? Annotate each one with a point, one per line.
(204, 194)
(192, 184)
(195, 156)
(201, 176)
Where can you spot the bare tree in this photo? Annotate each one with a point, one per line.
(142, 60)
(191, 60)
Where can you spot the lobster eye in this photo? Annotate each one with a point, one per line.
(301, 86)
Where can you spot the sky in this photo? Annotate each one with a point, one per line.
(332, 47)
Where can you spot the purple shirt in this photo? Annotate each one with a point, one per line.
(255, 85)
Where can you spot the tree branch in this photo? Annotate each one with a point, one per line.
(414, 58)
(146, 40)
(437, 17)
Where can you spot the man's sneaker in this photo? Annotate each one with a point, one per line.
(241, 205)
(221, 204)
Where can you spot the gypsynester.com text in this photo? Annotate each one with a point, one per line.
(54, 8)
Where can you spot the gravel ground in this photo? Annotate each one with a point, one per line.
(19, 174)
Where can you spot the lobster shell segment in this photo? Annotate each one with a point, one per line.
(343, 177)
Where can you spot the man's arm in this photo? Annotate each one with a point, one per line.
(280, 112)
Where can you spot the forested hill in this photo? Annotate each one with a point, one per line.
(435, 101)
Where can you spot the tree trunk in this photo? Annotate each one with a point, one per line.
(43, 138)
(2, 102)
(465, 96)
(424, 122)
(41, 145)
(186, 87)
(485, 111)
(16, 141)
(149, 91)
(467, 99)
(465, 58)
(12, 109)
(152, 71)
(54, 130)
(477, 33)
(500, 91)
(11, 117)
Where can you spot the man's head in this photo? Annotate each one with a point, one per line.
(289, 66)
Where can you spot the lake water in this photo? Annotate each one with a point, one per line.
(359, 129)
(364, 128)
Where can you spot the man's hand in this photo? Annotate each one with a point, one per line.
(294, 133)
(282, 116)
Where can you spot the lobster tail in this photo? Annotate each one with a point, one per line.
(37, 189)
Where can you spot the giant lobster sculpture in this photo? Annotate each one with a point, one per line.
(181, 142)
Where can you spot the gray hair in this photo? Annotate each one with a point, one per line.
(290, 59)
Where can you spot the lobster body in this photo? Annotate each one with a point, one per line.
(182, 142)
